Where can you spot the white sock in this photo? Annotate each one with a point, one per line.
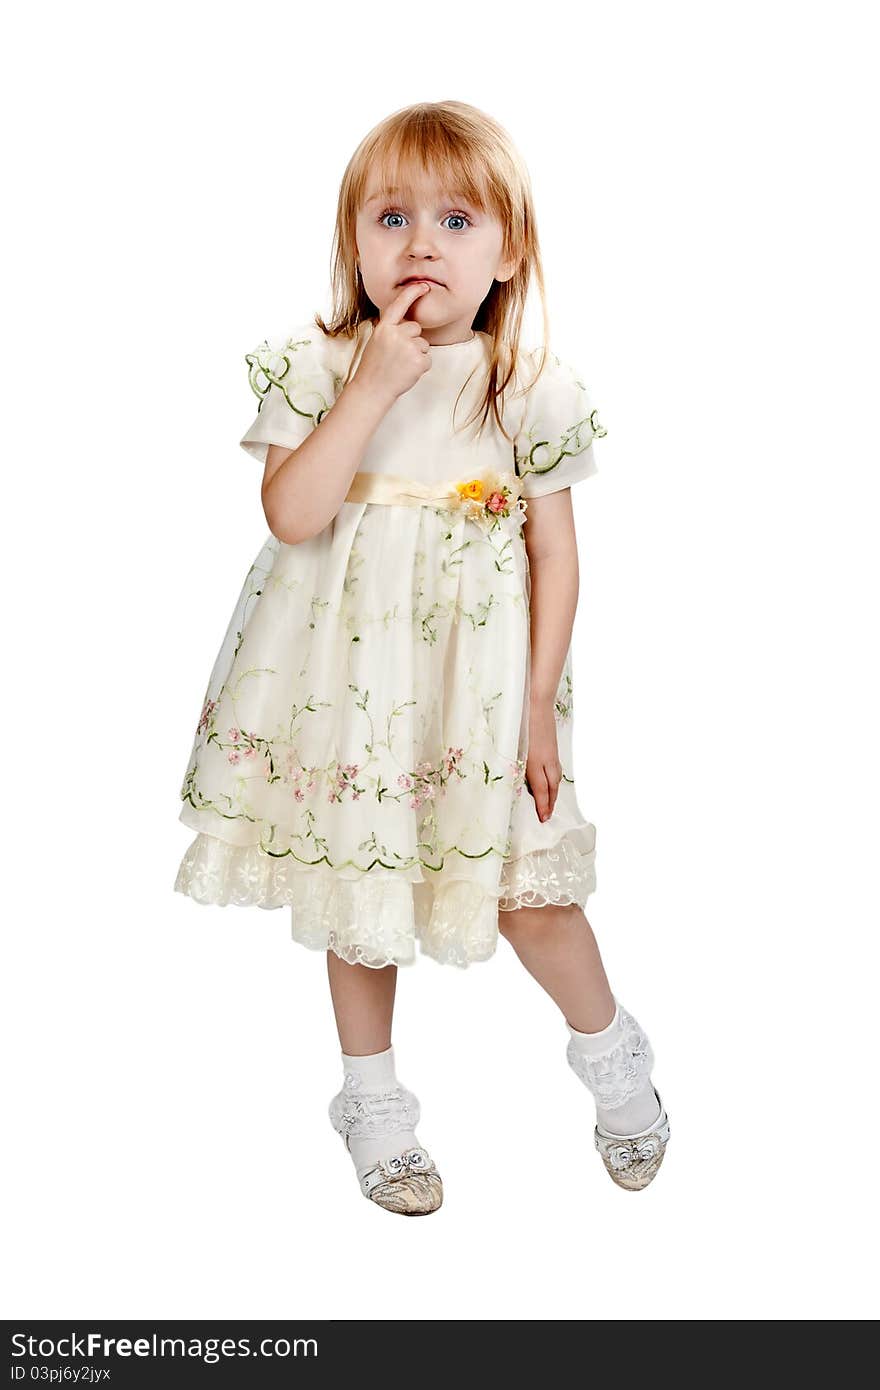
(376, 1072)
(642, 1108)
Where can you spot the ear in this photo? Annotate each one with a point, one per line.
(506, 269)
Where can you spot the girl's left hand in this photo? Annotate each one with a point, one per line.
(543, 769)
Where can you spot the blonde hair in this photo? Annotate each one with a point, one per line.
(468, 150)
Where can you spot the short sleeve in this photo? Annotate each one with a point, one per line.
(294, 384)
(553, 447)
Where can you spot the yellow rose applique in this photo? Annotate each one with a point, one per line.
(472, 491)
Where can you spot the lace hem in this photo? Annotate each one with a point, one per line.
(557, 876)
(376, 921)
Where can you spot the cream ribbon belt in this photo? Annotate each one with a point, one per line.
(485, 498)
(393, 489)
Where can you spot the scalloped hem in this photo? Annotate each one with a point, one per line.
(377, 921)
(563, 874)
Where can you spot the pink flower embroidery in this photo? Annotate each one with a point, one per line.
(207, 710)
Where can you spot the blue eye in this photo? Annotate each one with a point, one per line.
(395, 212)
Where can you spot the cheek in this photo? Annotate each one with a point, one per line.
(378, 252)
(480, 261)
(368, 242)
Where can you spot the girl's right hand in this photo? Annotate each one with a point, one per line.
(396, 355)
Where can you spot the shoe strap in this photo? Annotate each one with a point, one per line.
(624, 1149)
(396, 1167)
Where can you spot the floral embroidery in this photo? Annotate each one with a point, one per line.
(561, 423)
(268, 367)
(204, 719)
(519, 776)
(573, 441)
(564, 701)
(428, 779)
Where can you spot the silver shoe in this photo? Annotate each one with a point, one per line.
(633, 1160)
(407, 1182)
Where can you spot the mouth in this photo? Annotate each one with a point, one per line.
(431, 281)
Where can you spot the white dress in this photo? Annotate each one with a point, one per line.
(360, 750)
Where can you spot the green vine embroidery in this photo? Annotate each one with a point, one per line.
(268, 367)
(572, 440)
(564, 702)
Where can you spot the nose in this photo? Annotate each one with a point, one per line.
(421, 244)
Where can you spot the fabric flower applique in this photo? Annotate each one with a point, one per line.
(489, 498)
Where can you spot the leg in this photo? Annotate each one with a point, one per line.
(557, 946)
(363, 1002)
(608, 1050)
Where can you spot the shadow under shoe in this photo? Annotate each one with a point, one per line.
(633, 1160)
(407, 1182)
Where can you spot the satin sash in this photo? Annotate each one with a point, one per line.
(393, 489)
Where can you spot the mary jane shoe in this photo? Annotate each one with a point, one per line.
(633, 1160)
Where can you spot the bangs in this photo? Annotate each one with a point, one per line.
(403, 159)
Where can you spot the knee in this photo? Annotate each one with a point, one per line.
(536, 921)
(510, 924)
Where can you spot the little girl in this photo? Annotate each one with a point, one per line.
(385, 743)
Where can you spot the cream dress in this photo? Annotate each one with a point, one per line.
(360, 751)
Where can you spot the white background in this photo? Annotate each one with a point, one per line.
(703, 177)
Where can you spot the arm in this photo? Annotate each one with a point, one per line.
(304, 488)
(551, 544)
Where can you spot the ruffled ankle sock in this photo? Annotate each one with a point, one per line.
(591, 1054)
(374, 1074)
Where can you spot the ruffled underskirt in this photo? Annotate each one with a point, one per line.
(377, 921)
